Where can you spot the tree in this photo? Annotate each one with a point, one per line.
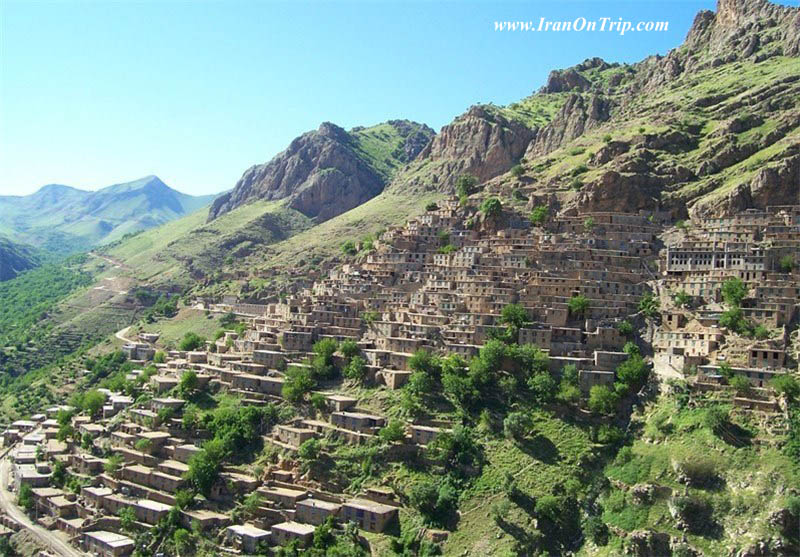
(787, 264)
(143, 445)
(392, 432)
(761, 332)
(25, 497)
(539, 215)
(513, 315)
(596, 530)
(322, 361)
(516, 425)
(543, 387)
(733, 291)
(602, 400)
(309, 450)
(298, 382)
(633, 372)
(466, 184)
(588, 224)
(682, 298)
(159, 357)
(578, 305)
(204, 466)
(349, 348)
(432, 206)
(517, 170)
(649, 305)
(734, 320)
(188, 381)
(436, 503)
(740, 384)
(491, 207)
(356, 369)
(93, 402)
(625, 328)
(127, 518)
(786, 384)
(191, 341)
(349, 248)
(182, 539)
(424, 361)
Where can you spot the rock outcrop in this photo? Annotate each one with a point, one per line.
(325, 172)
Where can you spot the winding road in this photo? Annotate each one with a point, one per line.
(53, 540)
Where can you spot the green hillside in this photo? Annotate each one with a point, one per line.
(16, 258)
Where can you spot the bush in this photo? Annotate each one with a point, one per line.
(602, 400)
(682, 298)
(733, 319)
(596, 530)
(733, 291)
(516, 425)
(437, 504)
(761, 332)
(356, 369)
(298, 382)
(392, 432)
(517, 170)
(700, 471)
(741, 384)
(93, 402)
(543, 387)
(539, 215)
(491, 207)
(649, 305)
(786, 384)
(607, 138)
(431, 207)
(787, 264)
(466, 185)
(580, 169)
(160, 357)
(578, 305)
(625, 328)
(191, 341)
(309, 450)
(349, 248)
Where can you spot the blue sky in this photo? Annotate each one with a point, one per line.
(94, 93)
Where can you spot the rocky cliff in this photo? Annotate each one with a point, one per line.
(326, 172)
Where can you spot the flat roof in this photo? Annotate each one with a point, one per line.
(369, 505)
(295, 527)
(319, 503)
(110, 538)
(248, 530)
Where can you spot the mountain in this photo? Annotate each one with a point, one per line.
(15, 258)
(64, 219)
(326, 172)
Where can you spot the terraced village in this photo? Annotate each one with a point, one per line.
(346, 418)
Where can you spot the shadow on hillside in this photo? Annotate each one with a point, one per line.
(540, 448)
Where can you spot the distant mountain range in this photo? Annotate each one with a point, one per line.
(63, 219)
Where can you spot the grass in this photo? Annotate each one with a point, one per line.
(187, 320)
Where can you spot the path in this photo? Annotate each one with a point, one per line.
(121, 335)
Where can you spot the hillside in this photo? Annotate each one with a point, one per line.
(329, 171)
(15, 258)
(64, 219)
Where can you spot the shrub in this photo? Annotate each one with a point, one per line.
(596, 530)
(188, 381)
(349, 248)
(298, 382)
(786, 384)
(734, 320)
(491, 207)
(93, 402)
(733, 291)
(356, 369)
(576, 184)
(682, 298)
(191, 341)
(741, 384)
(761, 332)
(700, 471)
(588, 224)
(602, 400)
(787, 264)
(539, 215)
(517, 170)
(432, 207)
(466, 185)
(568, 393)
(580, 169)
(516, 425)
(625, 328)
(543, 387)
(649, 305)
(392, 432)
(349, 348)
(607, 138)
(309, 450)
(159, 357)
(578, 305)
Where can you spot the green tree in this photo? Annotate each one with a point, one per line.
(191, 341)
(322, 365)
(491, 207)
(349, 248)
(517, 170)
(514, 315)
(466, 185)
(432, 206)
(588, 224)
(578, 305)
(93, 402)
(682, 298)
(127, 519)
(733, 291)
(786, 384)
(393, 432)
(25, 497)
(349, 348)
(761, 332)
(740, 384)
(539, 215)
(159, 357)
(356, 369)
(787, 264)
(625, 328)
(543, 387)
(734, 320)
(298, 382)
(517, 425)
(188, 382)
(309, 450)
(602, 400)
(649, 305)
(204, 466)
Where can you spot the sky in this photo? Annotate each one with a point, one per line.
(97, 93)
